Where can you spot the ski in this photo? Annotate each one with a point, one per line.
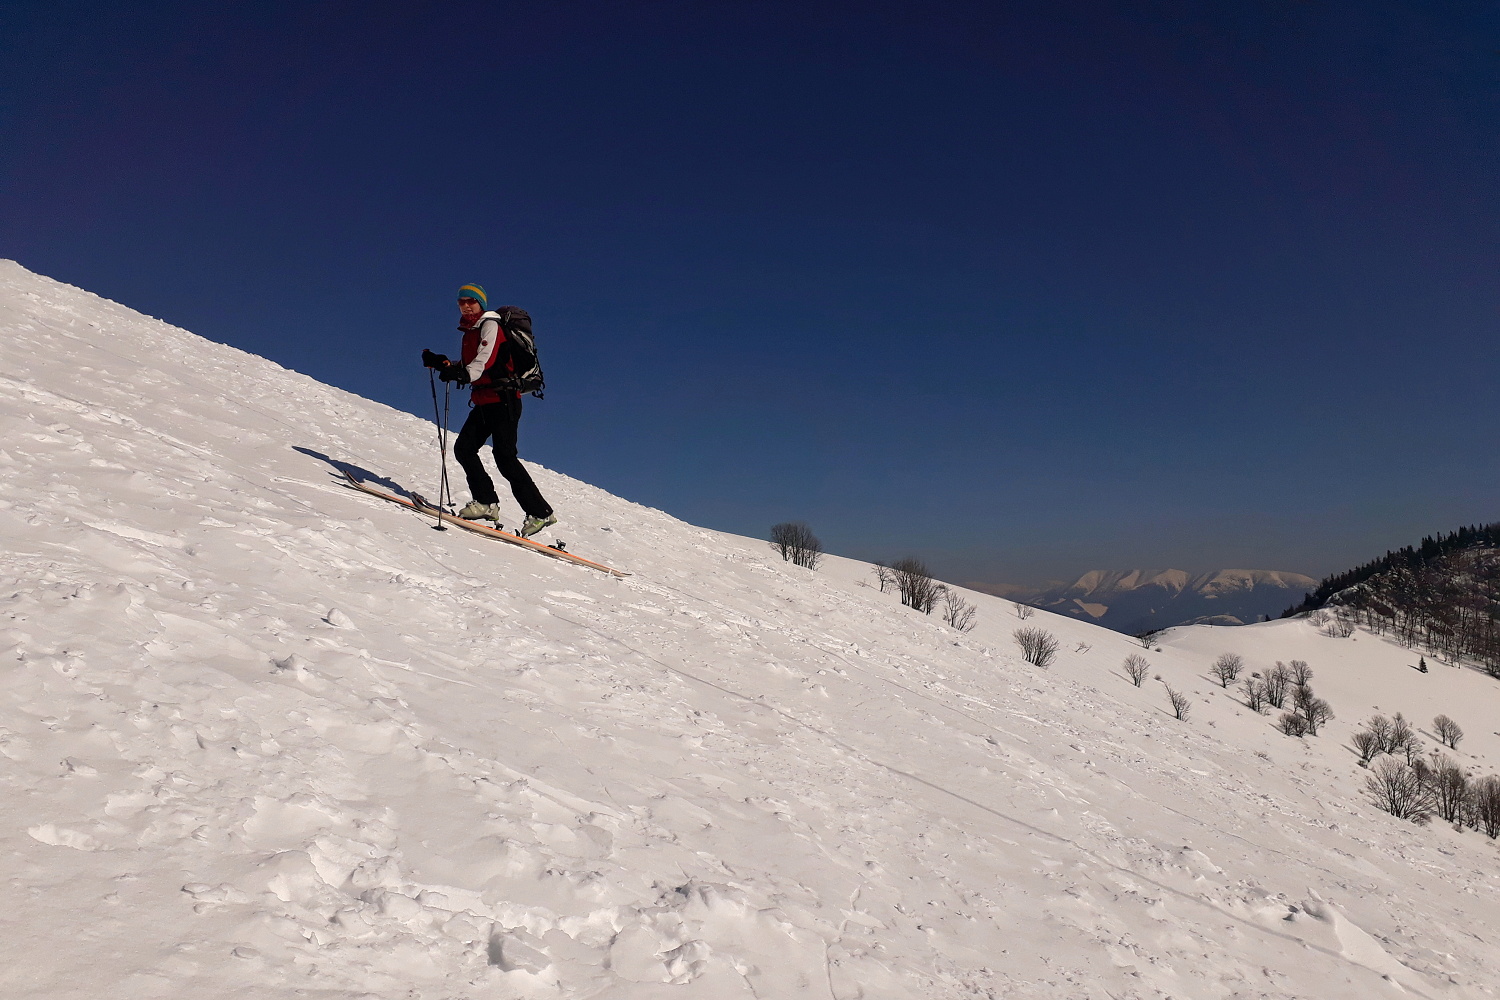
(425, 507)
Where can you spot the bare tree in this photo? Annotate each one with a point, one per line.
(917, 587)
(884, 576)
(1301, 695)
(1300, 673)
(1292, 724)
(1314, 711)
(1400, 738)
(1145, 639)
(1255, 695)
(1484, 803)
(1367, 745)
(1023, 611)
(1038, 646)
(1318, 618)
(1136, 668)
(1398, 789)
(1277, 680)
(1448, 785)
(797, 544)
(1180, 703)
(1448, 732)
(1413, 750)
(1380, 728)
(958, 612)
(1227, 668)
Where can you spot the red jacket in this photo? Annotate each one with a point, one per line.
(484, 355)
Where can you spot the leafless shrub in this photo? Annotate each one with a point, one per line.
(1255, 695)
(958, 612)
(1082, 647)
(1484, 805)
(1038, 646)
(1448, 786)
(1277, 680)
(1292, 724)
(1448, 732)
(1398, 789)
(1342, 625)
(1318, 618)
(1366, 744)
(1145, 639)
(917, 587)
(1227, 668)
(797, 544)
(884, 576)
(1136, 668)
(1023, 611)
(1180, 703)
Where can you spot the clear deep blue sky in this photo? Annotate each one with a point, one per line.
(1023, 288)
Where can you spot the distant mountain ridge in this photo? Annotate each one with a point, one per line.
(1134, 601)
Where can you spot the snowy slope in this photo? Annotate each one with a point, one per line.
(266, 737)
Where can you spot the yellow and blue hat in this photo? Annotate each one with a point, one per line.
(474, 292)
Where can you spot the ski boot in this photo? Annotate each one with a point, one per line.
(476, 511)
(532, 524)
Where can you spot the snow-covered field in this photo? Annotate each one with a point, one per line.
(262, 736)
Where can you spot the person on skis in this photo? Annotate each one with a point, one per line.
(484, 363)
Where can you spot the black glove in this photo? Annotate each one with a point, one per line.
(455, 372)
(430, 360)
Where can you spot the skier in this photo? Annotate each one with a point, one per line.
(485, 361)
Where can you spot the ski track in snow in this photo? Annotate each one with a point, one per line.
(262, 736)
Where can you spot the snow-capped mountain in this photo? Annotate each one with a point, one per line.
(1134, 601)
(265, 737)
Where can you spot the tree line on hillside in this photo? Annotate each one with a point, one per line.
(1442, 596)
(1448, 606)
(1472, 537)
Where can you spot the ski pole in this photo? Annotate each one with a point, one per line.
(447, 488)
(437, 418)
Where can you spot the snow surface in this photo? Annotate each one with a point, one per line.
(262, 736)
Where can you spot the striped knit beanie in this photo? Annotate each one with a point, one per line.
(474, 292)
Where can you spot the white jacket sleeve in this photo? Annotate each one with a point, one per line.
(489, 343)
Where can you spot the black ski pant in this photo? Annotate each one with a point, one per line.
(497, 421)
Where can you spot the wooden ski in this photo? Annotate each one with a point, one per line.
(479, 529)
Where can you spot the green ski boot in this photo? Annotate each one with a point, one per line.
(476, 511)
(532, 525)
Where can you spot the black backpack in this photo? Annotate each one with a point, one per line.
(516, 322)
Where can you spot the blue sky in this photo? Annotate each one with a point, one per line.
(1023, 289)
